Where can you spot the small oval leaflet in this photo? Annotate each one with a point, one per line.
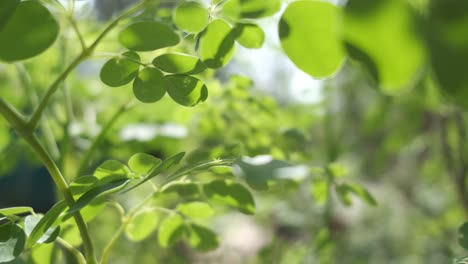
(143, 163)
(231, 194)
(171, 230)
(12, 240)
(26, 32)
(202, 238)
(142, 225)
(179, 63)
(307, 31)
(150, 85)
(249, 35)
(187, 90)
(217, 44)
(120, 70)
(191, 17)
(148, 36)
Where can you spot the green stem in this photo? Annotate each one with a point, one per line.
(22, 128)
(82, 56)
(125, 221)
(89, 153)
(76, 253)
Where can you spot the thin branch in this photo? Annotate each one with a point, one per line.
(82, 56)
(75, 252)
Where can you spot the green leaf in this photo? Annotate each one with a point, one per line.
(187, 90)
(231, 194)
(196, 210)
(120, 70)
(166, 164)
(31, 221)
(7, 9)
(236, 9)
(202, 238)
(171, 230)
(249, 35)
(50, 219)
(217, 44)
(260, 170)
(142, 225)
(12, 239)
(16, 210)
(150, 85)
(96, 192)
(179, 63)
(143, 163)
(83, 184)
(42, 254)
(148, 36)
(308, 34)
(111, 170)
(183, 189)
(384, 31)
(448, 47)
(344, 190)
(29, 30)
(191, 17)
(463, 235)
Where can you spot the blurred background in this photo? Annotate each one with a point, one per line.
(408, 150)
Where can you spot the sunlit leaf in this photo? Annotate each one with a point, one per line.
(120, 70)
(171, 230)
(143, 163)
(384, 31)
(217, 44)
(148, 36)
(28, 31)
(236, 9)
(49, 236)
(196, 210)
(346, 189)
(191, 17)
(202, 238)
(179, 63)
(150, 85)
(12, 240)
(183, 189)
(142, 225)
(16, 210)
(230, 194)
(308, 31)
(96, 192)
(249, 35)
(111, 170)
(50, 219)
(187, 90)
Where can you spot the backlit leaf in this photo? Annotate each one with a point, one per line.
(148, 36)
(187, 90)
(50, 219)
(249, 35)
(179, 63)
(196, 210)
(191, 17)
(171, 230)
(231, 194)
(142, 225)
(49, 236)
(202, 238)
(121, 70)
(217, 44)
(309, 37)
(150, 85)
(143, 163)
